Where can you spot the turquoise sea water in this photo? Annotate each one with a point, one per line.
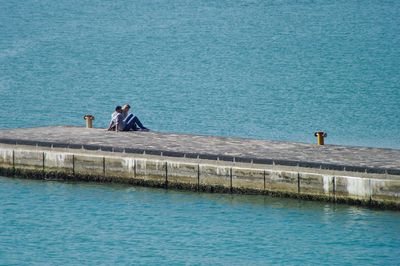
(269, 69)
(52, 223)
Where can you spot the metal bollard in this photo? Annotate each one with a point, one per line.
(89, 120)
(320, 137)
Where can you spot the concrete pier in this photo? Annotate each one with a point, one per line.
(358, 175)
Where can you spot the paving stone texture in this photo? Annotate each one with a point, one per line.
(371, 158)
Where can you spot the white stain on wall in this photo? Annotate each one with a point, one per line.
(327, 180)
(141, 166)
(224, 171)
(56, 159)
(129, 164)
(358, 186)
(6, 156)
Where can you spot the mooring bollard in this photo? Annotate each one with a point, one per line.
(89, 120)
(320, 137)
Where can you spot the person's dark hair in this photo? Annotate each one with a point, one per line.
(118, 108)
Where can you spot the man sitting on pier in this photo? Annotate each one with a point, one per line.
(131, 122)
(121, 120)
(116, 120)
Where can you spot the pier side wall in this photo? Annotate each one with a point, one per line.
(161, 171)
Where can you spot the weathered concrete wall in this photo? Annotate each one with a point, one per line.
(204, 175)
(183, 174)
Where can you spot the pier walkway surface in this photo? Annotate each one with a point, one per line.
(361, 159)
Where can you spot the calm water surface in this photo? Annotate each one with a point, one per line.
(269, 69)
(73, 223)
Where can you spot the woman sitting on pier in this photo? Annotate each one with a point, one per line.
(121, 120)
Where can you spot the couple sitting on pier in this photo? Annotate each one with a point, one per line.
(122, 120)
